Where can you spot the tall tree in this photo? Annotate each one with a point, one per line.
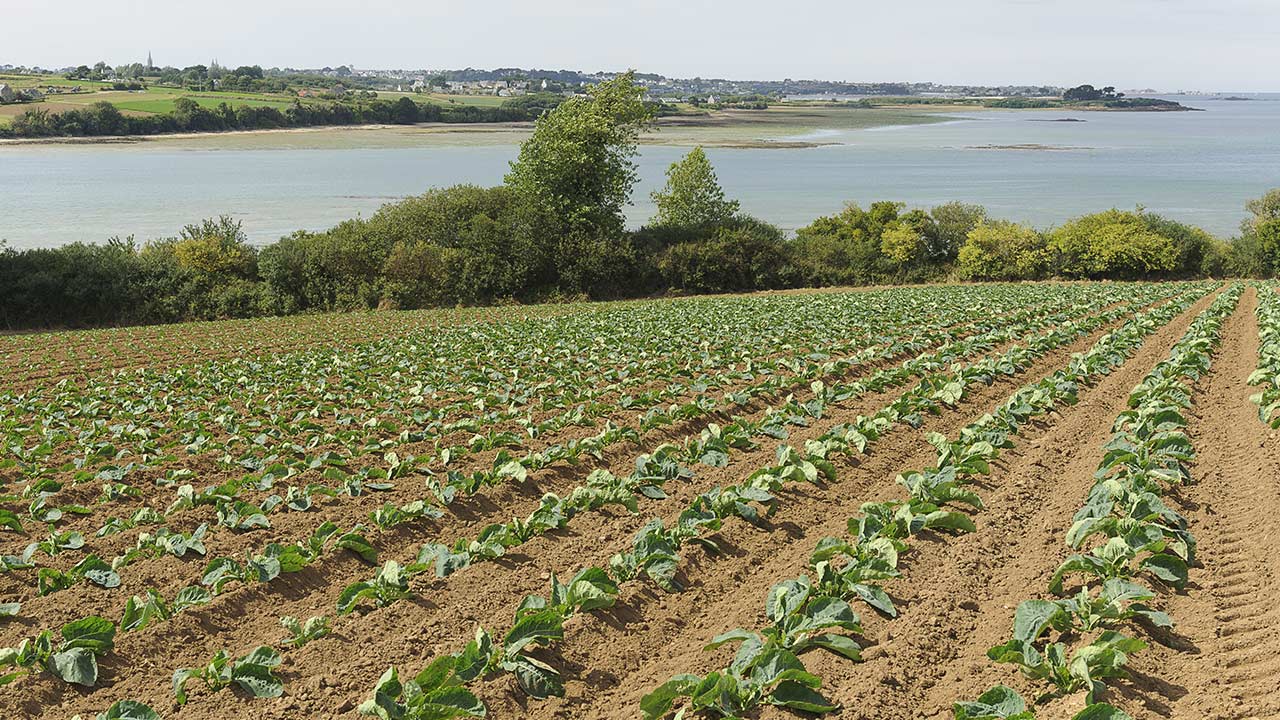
(578, 165)
(693, 196)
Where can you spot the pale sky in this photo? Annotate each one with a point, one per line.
(1165, 44)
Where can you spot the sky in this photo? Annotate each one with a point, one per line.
(1168, 45)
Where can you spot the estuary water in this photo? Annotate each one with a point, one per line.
(1040, 167)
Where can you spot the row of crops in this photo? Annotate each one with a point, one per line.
(1078, 640)
(806, 610)
(377, 469)
(26, 360)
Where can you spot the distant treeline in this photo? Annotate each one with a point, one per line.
(188, 115)
(1025, 103)
(554, 230)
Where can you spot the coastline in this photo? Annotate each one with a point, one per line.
(437, 127)
(774, 128)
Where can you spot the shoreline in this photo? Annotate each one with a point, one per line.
(675, 124)
(437, 127)
(738, 129)
(1083, 107)
(773, 129)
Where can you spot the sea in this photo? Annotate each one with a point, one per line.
(1040, 167)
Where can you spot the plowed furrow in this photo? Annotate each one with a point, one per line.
(1232, 610)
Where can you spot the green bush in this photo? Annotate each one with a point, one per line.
(1112, 244)
(749, 256)
(1267, 234)
(903, 246)
(851, 239)
(1002, 250)
(952, 223)
(1192, 246)
(421, 275)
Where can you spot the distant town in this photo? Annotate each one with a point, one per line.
(510, 82)
(150, 98)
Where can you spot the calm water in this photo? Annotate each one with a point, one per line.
(1198, 167)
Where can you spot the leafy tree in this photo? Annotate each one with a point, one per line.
(343, 267)
(845, 249)
(692, 196)
(215, 249)
(1263, 209)
(440, 216)
(578, 165)
(532, 105)
(418, 275)
(1266, 235)
(902, 244)
(282, 267)
(1002, 250)
(1089, 92)
(1193, 247)
(953, 222)
(406, 112)
(36, 122)
(1256, 253)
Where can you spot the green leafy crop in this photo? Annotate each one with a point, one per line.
(253, 673)
(74, 658)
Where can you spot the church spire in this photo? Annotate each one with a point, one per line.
(150, 66)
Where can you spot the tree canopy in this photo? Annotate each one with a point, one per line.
(579, 163)
(692, 196)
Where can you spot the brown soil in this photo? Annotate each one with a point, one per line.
(1225, 663)
(957, 594)
(596, 647)
(956, 598)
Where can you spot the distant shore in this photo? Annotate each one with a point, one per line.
(740, 129)
(778, 127)
(136, 139)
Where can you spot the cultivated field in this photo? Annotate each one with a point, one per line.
(875, 504)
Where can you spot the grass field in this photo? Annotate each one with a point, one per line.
(868, 485)
(152, 100)
(210, 101)
(28, 81)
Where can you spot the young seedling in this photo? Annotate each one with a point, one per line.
(252, 673)
(301, 633)
(74, 659)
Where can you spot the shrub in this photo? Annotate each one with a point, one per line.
(846, 248)
(749, 256)
(1112, 244)
(417, 275)
(1191, 245)
(903, 245)
(1002, 250)
(952, 222)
